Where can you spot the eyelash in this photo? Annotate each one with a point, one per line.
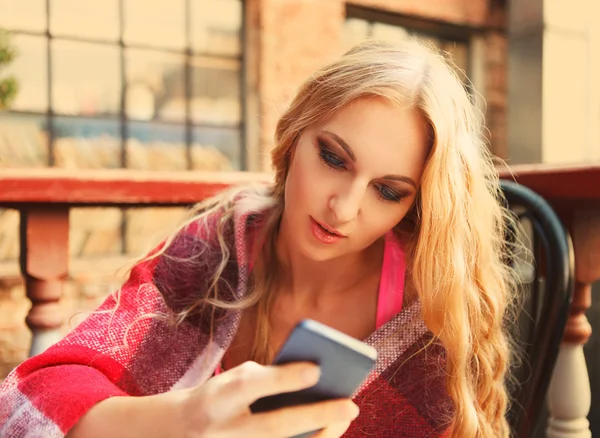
(329, 158)
(334, 162)
(392, 196)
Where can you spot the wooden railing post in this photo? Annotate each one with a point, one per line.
(44, 236)
(569, 395)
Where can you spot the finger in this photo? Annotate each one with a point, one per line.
(334, 431)
(299, 419)
(239, 387)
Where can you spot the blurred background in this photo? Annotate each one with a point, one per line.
(183, 85)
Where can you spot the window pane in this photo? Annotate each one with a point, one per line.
(216, 26)
(23, 140)
(9, 244)
(216, 149)
(155, 85)
(428, 39)
(152, 146)
(459, 52)
(87, 143)
(355, 30)
(85, 78)
(23, 15)
(216, 91)
(155, 23)
(30, 68)
(389, 33)
(147, 227)
(85, 18)
(95, 231)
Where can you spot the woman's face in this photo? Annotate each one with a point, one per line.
(354, 178)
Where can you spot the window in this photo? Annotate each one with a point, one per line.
(144, 84)
(138, 84)
(362, 23)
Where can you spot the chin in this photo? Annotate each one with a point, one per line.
(319, 253)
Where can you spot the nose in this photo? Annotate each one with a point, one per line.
(346, 204)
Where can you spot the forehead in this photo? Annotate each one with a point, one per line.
(388, 137)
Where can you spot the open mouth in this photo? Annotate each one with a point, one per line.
(328, 231)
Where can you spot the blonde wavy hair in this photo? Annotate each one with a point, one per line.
(456, 226)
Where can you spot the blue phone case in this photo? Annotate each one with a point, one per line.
(345, 363)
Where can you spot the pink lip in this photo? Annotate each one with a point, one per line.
(325, 234)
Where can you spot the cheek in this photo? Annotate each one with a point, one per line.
(302, 186)
(308, 177)
(381, 217)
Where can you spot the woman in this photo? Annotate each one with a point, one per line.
(383, 222)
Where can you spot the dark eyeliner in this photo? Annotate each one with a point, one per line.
(331, 159)
(388, 194)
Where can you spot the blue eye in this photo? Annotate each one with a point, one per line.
(388, 194)
(331, 159)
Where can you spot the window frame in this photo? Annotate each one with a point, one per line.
(472, 36)
(121, 116)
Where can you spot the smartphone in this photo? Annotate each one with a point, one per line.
(345, 363)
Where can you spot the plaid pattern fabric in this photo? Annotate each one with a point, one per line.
(126, 348)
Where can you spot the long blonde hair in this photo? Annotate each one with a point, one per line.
(456, 225)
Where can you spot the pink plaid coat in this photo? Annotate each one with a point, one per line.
(46, 395)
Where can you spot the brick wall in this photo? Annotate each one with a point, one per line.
(473, 12)
(496, 91)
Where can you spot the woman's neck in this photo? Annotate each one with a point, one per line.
(313, 282)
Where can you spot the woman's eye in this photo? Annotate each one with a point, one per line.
(388, 194)
(331, 159)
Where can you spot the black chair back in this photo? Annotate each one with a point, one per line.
(548, 293)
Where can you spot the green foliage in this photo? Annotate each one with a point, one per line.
(8, 85)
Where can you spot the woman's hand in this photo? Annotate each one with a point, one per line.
(220, 407)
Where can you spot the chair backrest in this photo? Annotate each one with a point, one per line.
(548, 294)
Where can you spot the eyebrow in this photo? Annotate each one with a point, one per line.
(348, 150)
(404, 179)
(343, 145)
